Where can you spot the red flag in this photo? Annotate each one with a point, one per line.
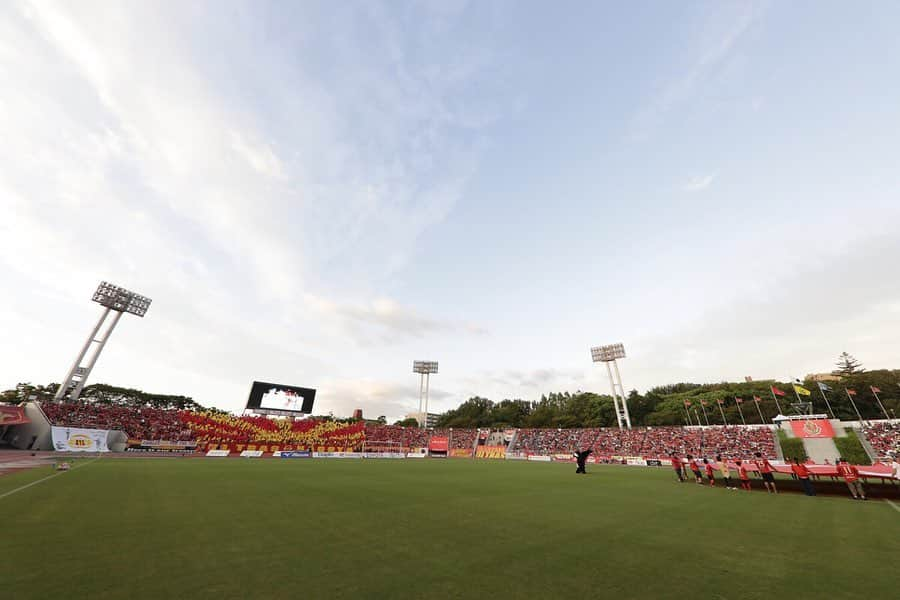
(687, 403)
(703, 402)
(875, 390)
(777, 392)
(851, 392)
(757, 399)
(738, 400)
(720, 401)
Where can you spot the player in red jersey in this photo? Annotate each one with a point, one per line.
(695, 468)
(709, 473)
(851, 476)
(742, 475)
(678, 466)
(765, 469)
(802, 474)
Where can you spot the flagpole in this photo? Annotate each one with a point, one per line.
(827, 403)
(880, 404)
(740, 411)
(688, 414)
(756, 401)
(705, 416)
(858, 416)
(722, 412)
(774, 397)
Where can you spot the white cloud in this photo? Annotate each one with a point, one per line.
(698, 183)
(128, 154)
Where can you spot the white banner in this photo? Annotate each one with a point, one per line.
(384, 455)
(540, 458)
(218, 453)
(337, 454)
(73, 439)
(414, 455)
(251, 453)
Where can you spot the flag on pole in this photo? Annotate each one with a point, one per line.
(757, 399)
(801, 390)
(704, 403)
(824, 387)
(720, 401)
(738, 400)
(777, 392)
(875, 390)
(687, 403)
(851, 392)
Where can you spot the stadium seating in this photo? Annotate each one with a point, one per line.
(143, 423)
(213, 428)
(884, 438)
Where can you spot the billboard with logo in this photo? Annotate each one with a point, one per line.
(812, 428)
(74, 439)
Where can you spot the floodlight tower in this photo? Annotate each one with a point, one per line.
(113, 299)
(609, 354)
(424, 368)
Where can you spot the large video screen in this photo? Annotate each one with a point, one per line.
(280, 399)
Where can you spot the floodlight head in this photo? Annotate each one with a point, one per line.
(425, 366)
(607, 353)
(121, 300)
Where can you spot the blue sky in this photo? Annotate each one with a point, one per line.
(319, 193)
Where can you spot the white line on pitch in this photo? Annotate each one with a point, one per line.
(895, 505)
(28, 485)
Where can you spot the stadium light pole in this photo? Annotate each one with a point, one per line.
(424, 368)
(113, 299)
(609, 354)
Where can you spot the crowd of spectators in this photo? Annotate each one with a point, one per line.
(406, 437)
(304, 434)
(648, 441)
(314, 434)
(884, 438)
(462, 439)
(138, 423)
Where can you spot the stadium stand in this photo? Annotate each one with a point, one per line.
(884, 438)
(463, 439)
(143, 423)
(212, 428)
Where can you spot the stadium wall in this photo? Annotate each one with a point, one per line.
(34, 435)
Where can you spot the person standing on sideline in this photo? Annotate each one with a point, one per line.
(679, 468)
(722, 465)
(581, 459)
(709, 473)
(765, 469)
(802, 473)
(851, 476)
(695, 468)
(742, 475)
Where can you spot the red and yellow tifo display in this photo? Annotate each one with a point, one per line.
(812, 428)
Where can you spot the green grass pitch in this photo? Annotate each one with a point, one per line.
(237, 528)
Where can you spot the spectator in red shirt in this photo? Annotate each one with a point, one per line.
(851, 475)
(802, 474)
(765, 469)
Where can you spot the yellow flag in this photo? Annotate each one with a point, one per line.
(801, 390)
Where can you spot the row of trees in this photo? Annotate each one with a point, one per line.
(102, 394)
(665, 405)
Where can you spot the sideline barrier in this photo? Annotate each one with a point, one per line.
(337, 455)
(536, 458)
(218, 453)
(251, 453)
(293, 454)
(384, 455)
